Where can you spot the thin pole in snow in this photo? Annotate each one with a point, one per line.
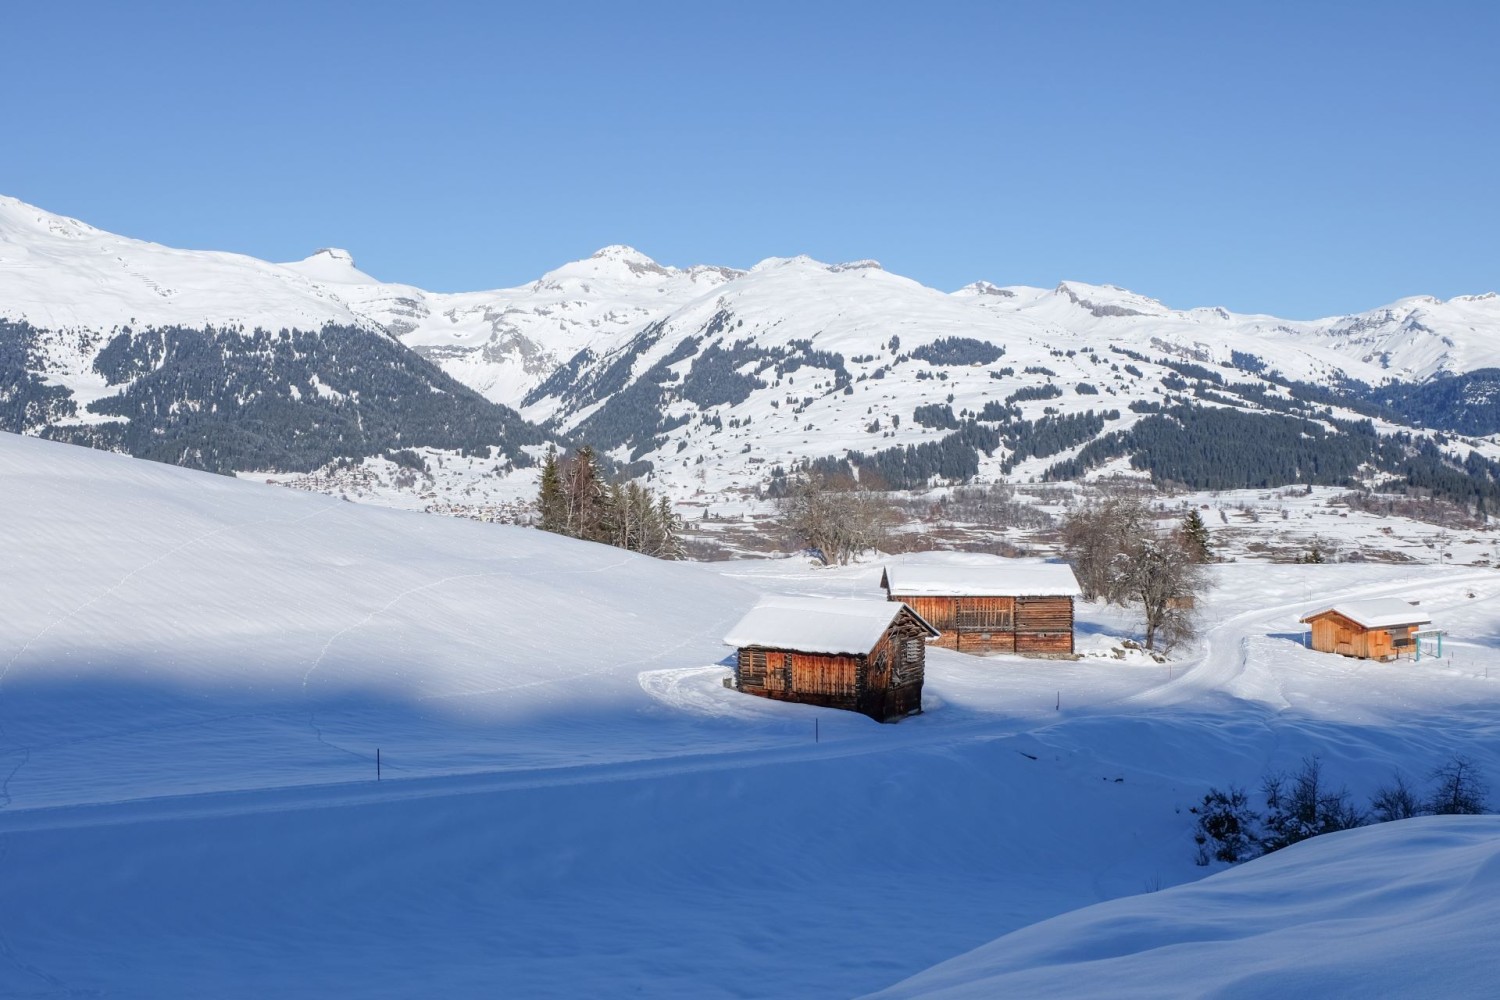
(1058, 706)
(815, 729)
(377, 763)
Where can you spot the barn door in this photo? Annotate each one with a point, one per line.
(778, 672)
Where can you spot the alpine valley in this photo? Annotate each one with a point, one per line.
(716, 383)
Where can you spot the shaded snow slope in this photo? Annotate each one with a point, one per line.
(196, 674)
(1399, 909)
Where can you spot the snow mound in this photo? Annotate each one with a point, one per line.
(1397, 909)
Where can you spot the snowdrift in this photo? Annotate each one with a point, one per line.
(1399, 909)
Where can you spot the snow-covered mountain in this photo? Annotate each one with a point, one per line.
(215, 360)
(718, 377)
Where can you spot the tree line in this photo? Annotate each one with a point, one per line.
(576, 498)
(1306, 804)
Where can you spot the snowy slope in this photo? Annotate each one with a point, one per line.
(196, 674)
(1400, 909)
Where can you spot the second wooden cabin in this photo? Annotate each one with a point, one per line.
(864, 655)
(1003, 608)
(1378, 629)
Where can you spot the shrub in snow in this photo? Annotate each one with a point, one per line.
(1302, 806)
(1395, 801)
(1226, 827)
(1460, 790)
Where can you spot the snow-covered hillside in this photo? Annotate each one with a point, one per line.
(196, 675)
(1402, 909)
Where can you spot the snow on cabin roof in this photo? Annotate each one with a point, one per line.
(1379, 612)
(818, 624)
(1007, 580)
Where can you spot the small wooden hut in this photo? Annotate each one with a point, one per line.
(1379, 629)
(862, 655)
(1010, 607)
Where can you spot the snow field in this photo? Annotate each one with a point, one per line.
(195, 673)
(1402, 909)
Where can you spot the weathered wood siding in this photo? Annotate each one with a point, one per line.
(1333, 633)
(940, 612)
(885, 684)
(998, 624)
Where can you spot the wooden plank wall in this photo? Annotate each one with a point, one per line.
(998, 624)
(1337, 634)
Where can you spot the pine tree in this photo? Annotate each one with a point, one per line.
(1195, 537)
(669, 526)
(551, 503)
(585, 494)
(574, 499)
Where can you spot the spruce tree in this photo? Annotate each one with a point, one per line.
(1195, 537)
(585, 494)
(669, 526)
(551, 503)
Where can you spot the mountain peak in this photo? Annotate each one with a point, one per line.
(333, 254)
(621, 252)
(333, 265)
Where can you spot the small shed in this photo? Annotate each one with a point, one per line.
(1379, 629)
(863, 655)
(1012, 607)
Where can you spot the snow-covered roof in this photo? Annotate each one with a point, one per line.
(1378, 612)
(1008, 580)
(818, 624)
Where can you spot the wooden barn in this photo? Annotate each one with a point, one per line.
(1379, 629)
(1003, 608)
(862, 655)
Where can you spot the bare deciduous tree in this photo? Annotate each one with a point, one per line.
(1118, 557)
(1163, 575)
(836, 519)
(1459, 789)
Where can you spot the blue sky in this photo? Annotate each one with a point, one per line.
(1300, 159)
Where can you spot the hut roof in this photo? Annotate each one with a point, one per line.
(1379, 612)
(1009, 580)
(818, 624)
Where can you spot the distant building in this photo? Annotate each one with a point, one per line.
(1379, 629)
(1005, 608)
(863, 655)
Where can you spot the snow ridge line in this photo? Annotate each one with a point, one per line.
(717, 628)
(438, 583)
(5, 672)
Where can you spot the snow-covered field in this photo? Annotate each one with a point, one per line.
(196, 674)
